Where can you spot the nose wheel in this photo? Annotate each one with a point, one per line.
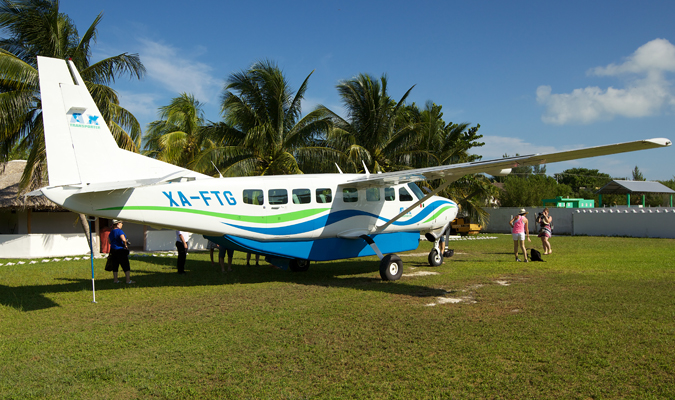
(435, 257)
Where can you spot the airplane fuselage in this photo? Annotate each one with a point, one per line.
(295, 216)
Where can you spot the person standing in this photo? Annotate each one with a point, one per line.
(211, 247)
(221, 258)
(545, 230)
(520, 229)
(248, 259)
(181, 246)
(119, 251)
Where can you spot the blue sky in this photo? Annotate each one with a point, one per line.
(537, 76)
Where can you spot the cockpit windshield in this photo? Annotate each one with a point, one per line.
(415, 189)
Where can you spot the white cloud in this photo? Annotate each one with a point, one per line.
(647, 90)
(142, 105)
(496, 146)
(178, 72)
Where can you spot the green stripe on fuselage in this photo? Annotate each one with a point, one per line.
(286, 217)
(439, 212)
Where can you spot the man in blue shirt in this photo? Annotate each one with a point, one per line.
(119, 251)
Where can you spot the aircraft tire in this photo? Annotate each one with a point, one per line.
(435, 258)
(298, 265)
(391, 267)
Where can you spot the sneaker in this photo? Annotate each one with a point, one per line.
(130, 282)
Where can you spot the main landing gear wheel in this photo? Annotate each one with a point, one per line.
(391, 267)
(435, 258)
(299, 265)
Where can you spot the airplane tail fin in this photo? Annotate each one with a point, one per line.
(80, 148)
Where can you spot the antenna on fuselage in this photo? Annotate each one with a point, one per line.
(214, 166)
(365, 168)
(338, 167)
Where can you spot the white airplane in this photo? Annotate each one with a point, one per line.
(292, 219)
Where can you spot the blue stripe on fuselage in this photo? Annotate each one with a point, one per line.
(322, 249)
(337, 216)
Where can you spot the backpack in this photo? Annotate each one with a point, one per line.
(535, 255)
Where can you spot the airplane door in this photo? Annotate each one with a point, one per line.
(277, 208)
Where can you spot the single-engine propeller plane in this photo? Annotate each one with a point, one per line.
(292, 220)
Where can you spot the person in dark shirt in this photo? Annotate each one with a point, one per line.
(119, 251)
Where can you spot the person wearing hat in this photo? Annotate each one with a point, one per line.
(119, 251)
(520, 229)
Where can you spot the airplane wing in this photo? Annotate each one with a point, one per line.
(503, 166)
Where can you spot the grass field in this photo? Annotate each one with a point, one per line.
(596, 321)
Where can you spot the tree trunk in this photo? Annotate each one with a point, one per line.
(85, 228)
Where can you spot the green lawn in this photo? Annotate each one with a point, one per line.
(596, 321)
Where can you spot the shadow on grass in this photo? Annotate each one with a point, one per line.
(202, 273)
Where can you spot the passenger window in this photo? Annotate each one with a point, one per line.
(302, 196)
(403, 195)
(389, 194)
(324, 195)
(373, 194)
(254, 196)
(277, 196)
(350, 195)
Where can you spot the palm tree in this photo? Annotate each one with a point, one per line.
(37, 28)
(441, 143)
(177, 138)
(376, 130)
(263, 131)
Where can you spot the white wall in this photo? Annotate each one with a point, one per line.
(644, 222)
(43, 245)
(166, 240)
(615, 221)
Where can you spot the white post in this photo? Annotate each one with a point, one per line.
(91, 252)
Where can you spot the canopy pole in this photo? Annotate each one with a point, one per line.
(91, 253)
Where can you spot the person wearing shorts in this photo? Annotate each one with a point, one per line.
(519, 230)
(119, 252)
(545, 229)
(221, 258)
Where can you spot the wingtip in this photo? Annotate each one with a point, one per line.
(663, 142)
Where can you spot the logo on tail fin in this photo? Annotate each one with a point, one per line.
(79, 120)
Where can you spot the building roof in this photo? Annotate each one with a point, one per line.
(10, 175)
(626, 187)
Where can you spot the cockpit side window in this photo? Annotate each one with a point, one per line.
(416, 190)
(403, 195)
